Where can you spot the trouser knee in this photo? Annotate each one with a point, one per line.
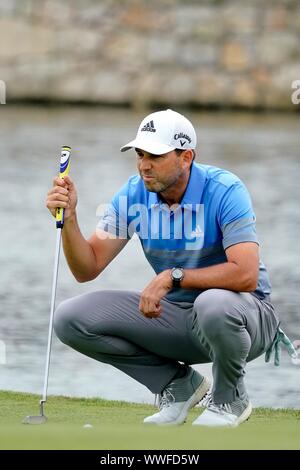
(216, 314)
(63, 322)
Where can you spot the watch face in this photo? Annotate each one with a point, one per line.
(177, 273)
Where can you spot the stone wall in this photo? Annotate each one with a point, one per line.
(213, 53)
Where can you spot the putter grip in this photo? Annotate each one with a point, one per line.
(63, 171)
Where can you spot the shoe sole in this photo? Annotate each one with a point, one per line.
(197, 396)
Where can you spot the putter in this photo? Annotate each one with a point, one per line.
(63, 171)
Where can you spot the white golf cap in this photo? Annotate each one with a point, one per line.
(162, 132)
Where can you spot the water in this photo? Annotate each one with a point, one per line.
(262, 150)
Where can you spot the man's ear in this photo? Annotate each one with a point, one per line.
(188, 156)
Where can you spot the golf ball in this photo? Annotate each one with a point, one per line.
(87, 425)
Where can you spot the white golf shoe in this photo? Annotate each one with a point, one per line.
(178, 398)
(225, 414)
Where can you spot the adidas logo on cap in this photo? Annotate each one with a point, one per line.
(149, 127)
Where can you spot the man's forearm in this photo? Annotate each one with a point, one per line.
(220, 276)
(79, 254)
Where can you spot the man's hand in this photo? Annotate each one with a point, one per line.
(63, 194)
(151, 296)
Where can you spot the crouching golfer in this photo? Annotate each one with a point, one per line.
(210, 298)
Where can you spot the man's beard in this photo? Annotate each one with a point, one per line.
(155, 186)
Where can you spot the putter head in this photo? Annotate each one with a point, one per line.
(40, 419)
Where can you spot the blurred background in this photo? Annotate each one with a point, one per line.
(84, 73)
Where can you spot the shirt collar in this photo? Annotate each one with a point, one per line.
(194, 189)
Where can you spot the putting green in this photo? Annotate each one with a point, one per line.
(117, 425)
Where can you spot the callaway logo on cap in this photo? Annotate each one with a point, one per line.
(162, 132)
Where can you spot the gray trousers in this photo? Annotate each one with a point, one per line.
(222, 327)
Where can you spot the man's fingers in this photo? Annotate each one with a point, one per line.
(143, 306)
(153, 314)
(155, 310)
(57, 200)
(61, 195)
(55, 203)
(58, 197)
(59, 181)
(149, 308)
(69, 180)
(58, 189)
(66, 180)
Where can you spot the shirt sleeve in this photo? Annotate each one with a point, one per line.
(236, 217)
(114, 219)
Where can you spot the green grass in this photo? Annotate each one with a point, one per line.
(117, 425)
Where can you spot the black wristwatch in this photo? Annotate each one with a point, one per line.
(177, 274)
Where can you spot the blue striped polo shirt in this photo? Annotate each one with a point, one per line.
(215, 212)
